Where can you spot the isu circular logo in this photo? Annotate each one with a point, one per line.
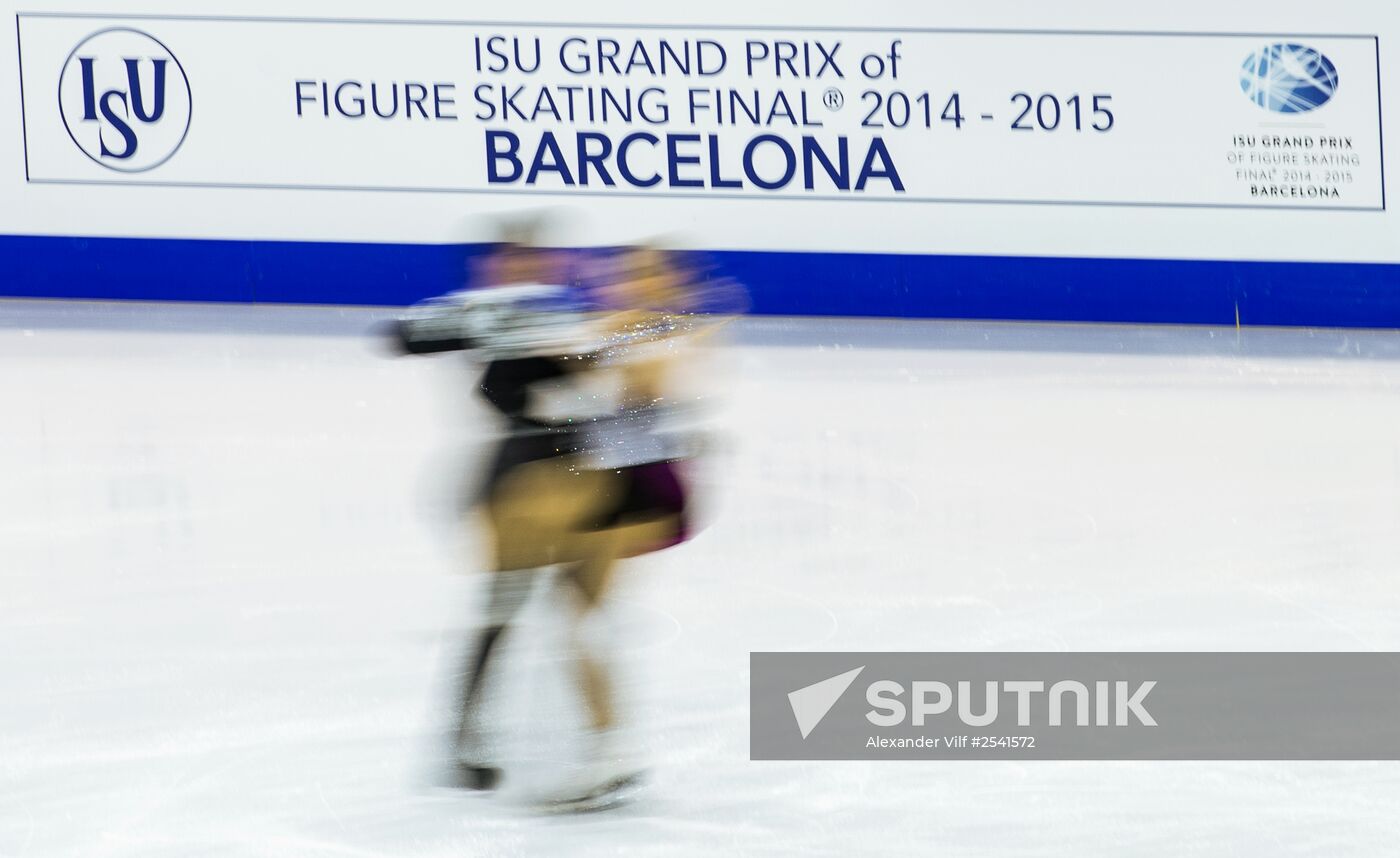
(1289, 78)
(125, 100)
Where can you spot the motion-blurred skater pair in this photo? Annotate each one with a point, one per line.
(576, 489)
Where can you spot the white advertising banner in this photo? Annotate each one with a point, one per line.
(915, 115)
(1004, 128)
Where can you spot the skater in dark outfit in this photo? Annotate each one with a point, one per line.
(579, 492)
(502, 320)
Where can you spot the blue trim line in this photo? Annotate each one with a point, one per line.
(1317, 294)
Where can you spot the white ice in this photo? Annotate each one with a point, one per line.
(232, 585)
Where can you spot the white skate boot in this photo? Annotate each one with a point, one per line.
(610, 775)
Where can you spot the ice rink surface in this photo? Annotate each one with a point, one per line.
(232, 582)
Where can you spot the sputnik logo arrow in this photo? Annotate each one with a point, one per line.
(810, 704)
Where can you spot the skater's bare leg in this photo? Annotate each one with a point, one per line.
(608, 765)
(590, 581)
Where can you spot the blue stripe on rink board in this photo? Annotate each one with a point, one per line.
(780, 283)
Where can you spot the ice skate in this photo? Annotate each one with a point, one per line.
(471, 765)
(475, 776)
(609, 777)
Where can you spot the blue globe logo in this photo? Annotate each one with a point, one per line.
(1289, 78)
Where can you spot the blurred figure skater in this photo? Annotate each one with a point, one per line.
(579, 491)
(625, 493)
(526, 328)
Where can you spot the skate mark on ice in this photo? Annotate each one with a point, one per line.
(794, 596)
(321, 794)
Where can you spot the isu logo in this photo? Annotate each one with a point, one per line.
(125, 100)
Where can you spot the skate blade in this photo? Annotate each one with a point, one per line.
(613, 794)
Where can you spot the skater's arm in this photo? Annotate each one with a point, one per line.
(427, 336)
(506, 384)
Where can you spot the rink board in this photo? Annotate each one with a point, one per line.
(1084, 162)
(816, 284)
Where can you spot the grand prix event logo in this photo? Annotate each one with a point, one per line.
(1289, 78)
(125, 100)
